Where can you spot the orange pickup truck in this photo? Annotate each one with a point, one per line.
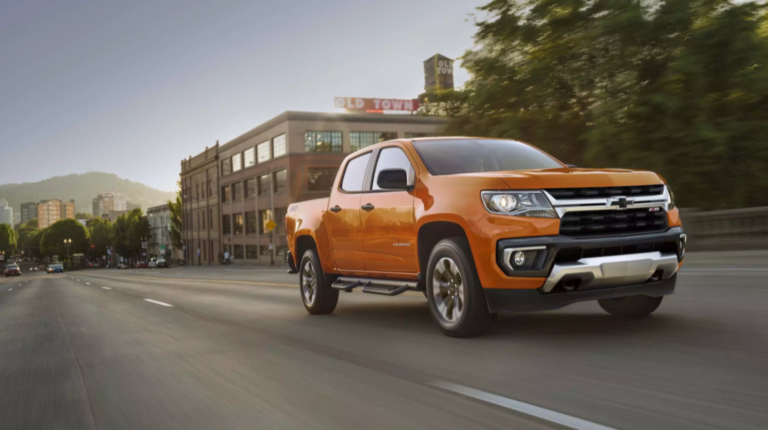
(483, 226)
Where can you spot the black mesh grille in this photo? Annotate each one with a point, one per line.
(613, 222)
(576, 253)
(595, 193)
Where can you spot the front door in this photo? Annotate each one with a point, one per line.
(389, 227)
(343, 216)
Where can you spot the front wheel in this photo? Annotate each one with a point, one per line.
(631, 306)
(456, 298)
(316, 292)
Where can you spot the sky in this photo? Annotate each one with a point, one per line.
(133, 87)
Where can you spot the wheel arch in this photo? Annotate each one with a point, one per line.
(430, 234)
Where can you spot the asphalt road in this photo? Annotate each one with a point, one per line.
(236, 349)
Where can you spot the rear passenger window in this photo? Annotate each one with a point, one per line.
(354, 174)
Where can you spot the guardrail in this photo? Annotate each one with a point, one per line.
(731, 229)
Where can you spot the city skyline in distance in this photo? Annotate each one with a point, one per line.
(133, 89)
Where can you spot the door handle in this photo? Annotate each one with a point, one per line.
(336, 209)
(367, 207)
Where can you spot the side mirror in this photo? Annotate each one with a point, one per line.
(393, 179)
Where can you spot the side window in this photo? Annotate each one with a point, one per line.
(393, 158)
(354, 175)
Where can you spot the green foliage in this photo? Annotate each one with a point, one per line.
(679, 87)
(52, 241)
(26, 239)
(129, 231)
(175, 207)
(82, 215)
(8, 240)
(31, 223)
(100, 232)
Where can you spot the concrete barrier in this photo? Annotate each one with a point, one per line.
(732, 229)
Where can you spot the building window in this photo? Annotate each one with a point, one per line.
(323, 141)
(250, 188)
(280, 220)
(278, 146)
(281, 181)
(262, 150)
(225, 167)
(237, 162)
(250, 252)
(237, 191)
(250, 222)
(321, 178)
(226, 224)
(238, 252)
(237, 220)
(362, 139)
(210, 219)
(416, 135)
(264, 217)
(225, 194)
(202, 215)
(264, 185)
(249, 157)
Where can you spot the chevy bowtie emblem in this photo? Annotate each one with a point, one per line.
(619, 201)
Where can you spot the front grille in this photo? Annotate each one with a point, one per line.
(576, 253)
(613, 222)
(596, 193)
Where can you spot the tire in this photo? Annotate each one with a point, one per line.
(315, 288)
(631, 306)
(451, 275)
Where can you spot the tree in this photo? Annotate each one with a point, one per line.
(8, 240)
(129, 231)
(52, 241)
(679, 87)
(26, 239)
(101, 233)
(83, 215)
(31, 223)
(175, 207)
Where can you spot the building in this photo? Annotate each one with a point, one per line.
(6, 213)
(112, 216)
(160, 231)
(290, 158)
(438, 73)
(51, 211)
(200, 218)
(108, 202)
(28, 212)
(131, 206)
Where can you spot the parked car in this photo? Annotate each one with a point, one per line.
(12, 270)
(122, 266)
(142, 265)
(55, 268)
(162, 262)
(484, 226)
(152, 263)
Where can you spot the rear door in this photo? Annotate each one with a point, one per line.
(389, 227)
(343, 215)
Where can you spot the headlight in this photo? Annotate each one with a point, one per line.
(670, 199)
(518, 203)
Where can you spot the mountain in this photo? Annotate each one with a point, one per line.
(83, 188)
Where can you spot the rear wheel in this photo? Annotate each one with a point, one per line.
(456, 298)
(316, 292)
(631, 306)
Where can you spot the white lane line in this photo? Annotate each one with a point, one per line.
(87, 283)
(10, 289)
(78, 280)
(158, 303)
(106, 288)
(545, 414)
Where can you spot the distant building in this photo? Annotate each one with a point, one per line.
(28, 211)
(438, 73)
(6, 213)
(112, 216)
(108, 202)
(160, 231)
(131, 206)
(51, 211)
(231, 192)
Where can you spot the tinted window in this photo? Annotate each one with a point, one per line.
(450, 157)
(392, 158)
(354, 175)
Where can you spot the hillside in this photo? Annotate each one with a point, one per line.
(83, 188)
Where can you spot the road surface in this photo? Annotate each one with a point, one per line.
(233, 348)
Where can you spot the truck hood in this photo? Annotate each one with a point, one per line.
(572, 178)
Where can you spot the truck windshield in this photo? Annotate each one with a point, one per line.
(454, 156)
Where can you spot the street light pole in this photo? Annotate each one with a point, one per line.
(67, 244)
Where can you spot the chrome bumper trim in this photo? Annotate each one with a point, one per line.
(613, 271)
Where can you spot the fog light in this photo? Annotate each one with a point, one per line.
(519, 258)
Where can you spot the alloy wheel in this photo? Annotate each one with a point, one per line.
(309, 283)
(449, 291)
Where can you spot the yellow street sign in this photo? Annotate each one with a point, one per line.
(271, 225)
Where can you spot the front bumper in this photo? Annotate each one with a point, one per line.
(534, 300)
